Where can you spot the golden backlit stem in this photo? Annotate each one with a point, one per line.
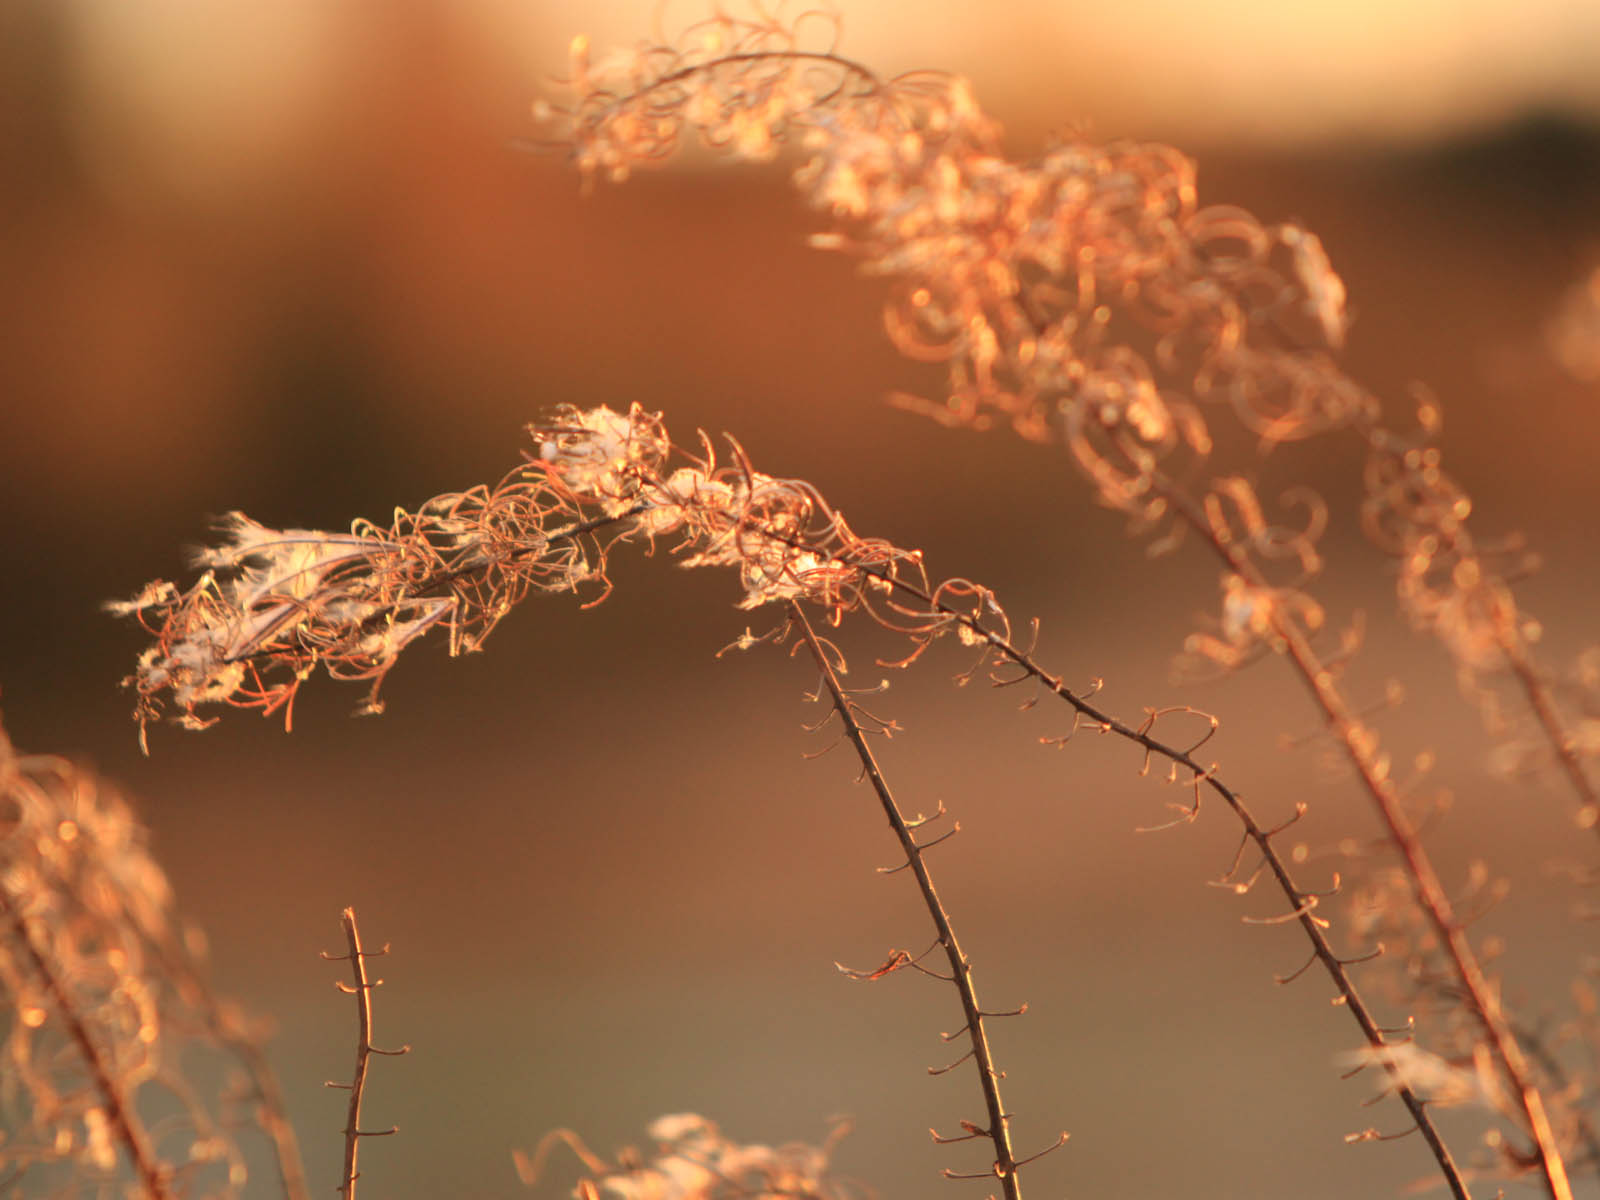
(361, 988)
(119, 1108)
(1005, 1162)
(1482, 998)
(1313, 925)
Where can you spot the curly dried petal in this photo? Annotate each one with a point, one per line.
(275, 606)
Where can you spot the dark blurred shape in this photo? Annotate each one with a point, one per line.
(1545, 165)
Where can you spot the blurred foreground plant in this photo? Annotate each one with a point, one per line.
(118, 1058)
(693, 1160)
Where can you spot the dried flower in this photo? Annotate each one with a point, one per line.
(274, 606)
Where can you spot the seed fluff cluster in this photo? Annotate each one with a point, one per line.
(271, 607)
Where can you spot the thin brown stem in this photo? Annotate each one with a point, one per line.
(1300, 900)
(1557, 1074)
(361, 989)
(119, 1107)
(1437, 512)
(849, 66)
(1482, 997)
(1555, 731)
(1005, 1160)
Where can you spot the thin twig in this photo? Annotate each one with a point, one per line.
(1483, 1000)
(362, 991)
(1543, 705)
(1005, 1162)
(1308, 921)
(1429, 515)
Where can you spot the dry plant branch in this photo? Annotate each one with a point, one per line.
(1303, 903)
(1006, 1164)
(1514, 646)
(1025, 278)
(787, 545)
(1359, 743)
(1040, 284)
(1087, 299)
(1452, 587)
(116, 1046)
(115, 1100)
(361, 988)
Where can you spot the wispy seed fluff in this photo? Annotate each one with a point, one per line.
(272, 606)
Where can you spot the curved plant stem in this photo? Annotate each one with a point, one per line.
(120, 1113)
(1483, 999)
(1540, 1052)
(1005, 1160)
(1303, 902)
(361, 989)
(859, 71)
(1434, 496)
(1544, 711)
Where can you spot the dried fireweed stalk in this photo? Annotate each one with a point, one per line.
(916, 839)
(1088, 298)
(124, 1075)
(597, 480)
(274, 606)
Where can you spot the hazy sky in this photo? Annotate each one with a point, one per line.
(1222, 70)
(233, 79)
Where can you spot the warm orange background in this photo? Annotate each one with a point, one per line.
(282, 260)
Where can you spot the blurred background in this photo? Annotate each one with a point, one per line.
(282, 258)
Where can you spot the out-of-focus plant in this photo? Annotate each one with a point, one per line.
(120, 1063)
